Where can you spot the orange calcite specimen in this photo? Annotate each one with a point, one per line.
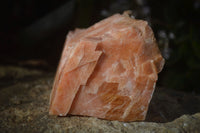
(107, 71)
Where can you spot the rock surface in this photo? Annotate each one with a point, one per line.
(108, 70)
(24, 108)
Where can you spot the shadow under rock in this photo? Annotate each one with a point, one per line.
(167, 105)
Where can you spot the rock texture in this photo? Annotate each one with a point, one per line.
(24, 108)
(108, 71)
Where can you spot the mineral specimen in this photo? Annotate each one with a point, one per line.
(107, 71)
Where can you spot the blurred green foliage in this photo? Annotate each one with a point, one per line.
(182, 18)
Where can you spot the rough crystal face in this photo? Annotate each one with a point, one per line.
(107, 71)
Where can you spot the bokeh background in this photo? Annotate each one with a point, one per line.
(32, 33)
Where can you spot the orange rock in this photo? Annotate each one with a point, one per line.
(107, 71)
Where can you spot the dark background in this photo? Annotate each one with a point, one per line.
(32, 33)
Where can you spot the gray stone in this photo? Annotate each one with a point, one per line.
(24, 108)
